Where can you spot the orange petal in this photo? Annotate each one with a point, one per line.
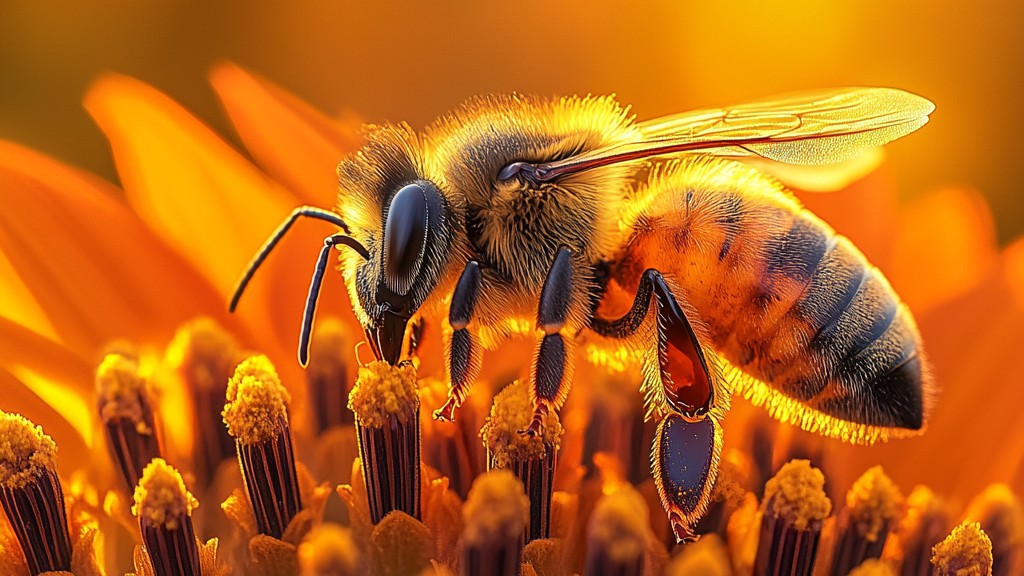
(1013, 270)
(292, 141)
(18, 304)
(945, 246)
(94, 269)
(47, 384)
(207, 201)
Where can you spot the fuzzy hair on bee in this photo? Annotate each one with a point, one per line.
(654, 246)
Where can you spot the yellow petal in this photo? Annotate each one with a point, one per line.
(208, 202)
(93, 268)
(945, 246)
(292, 141)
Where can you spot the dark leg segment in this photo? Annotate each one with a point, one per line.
(550, 382)
(463, 351)
(685, 468)
(684, 372)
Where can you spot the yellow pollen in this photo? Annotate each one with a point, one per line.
(796, 493)
(874, 503)
(496, 509)
(256, 407)
(967, 551)
(25, 451)
(161, 497)
(512, 411)
(619, 524)
(328, 550)
(382, 390)
(121, 389)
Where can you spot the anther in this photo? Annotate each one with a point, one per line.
(164, 509)
(793, 511)
(617, 534)
(256, 415)
(329, 550)
(531, 459)
(127, 415)
(327, 375)
(873, 505)
(495, 517)
(31, 494)
(385, 402)
(967, 550)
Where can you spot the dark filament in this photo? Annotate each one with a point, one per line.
(391, 465)
(268, 469)
(36, 513)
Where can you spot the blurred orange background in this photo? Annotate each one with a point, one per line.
(416, 60)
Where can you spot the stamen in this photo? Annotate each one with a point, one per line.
(531, 459)
(327, 375)
(329, 550)
(208, 356)
(617, 534)
(967, 551)
(794, 508)
(164, 508)
(873, 505)
(256, 415)
(385, 402)
(924, 525)
(999, 513)
(495, 517)
(127, 415)
(31, 494)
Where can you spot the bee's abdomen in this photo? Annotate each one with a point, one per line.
(786, 300)
(847, 346)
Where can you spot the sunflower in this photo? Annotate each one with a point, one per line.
(116, 340)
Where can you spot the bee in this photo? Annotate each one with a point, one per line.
(568, 220)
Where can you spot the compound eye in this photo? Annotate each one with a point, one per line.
(405, 235)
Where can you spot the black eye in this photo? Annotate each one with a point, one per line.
(405, 234)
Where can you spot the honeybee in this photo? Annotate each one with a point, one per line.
(567, 219)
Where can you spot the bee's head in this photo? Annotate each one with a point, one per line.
(405, 222)
(412, 253)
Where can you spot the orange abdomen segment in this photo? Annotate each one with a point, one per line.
(786, 300)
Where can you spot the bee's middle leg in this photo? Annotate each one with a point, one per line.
(552, 368)
(462, 351)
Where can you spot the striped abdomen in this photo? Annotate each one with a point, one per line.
(787, 301)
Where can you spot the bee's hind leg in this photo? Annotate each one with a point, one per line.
(552, 368)
(688, 441)
(462, 351)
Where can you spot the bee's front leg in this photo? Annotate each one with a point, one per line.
(688, 442)
(462, 350)
(552, 369)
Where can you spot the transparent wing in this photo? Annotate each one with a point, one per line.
(807, 128)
